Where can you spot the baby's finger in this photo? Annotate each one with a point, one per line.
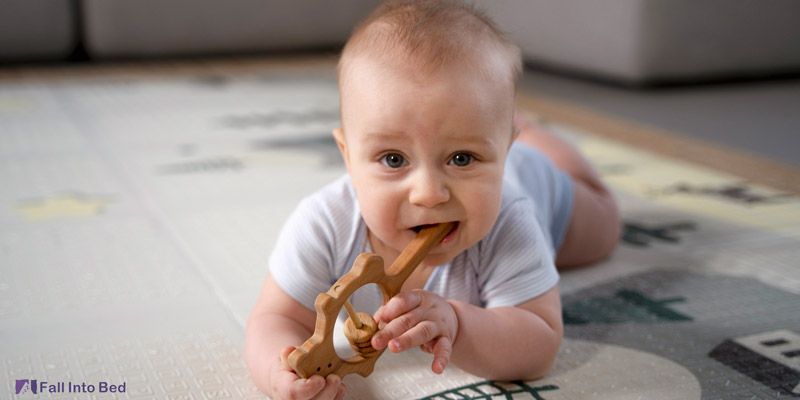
(395, 328)
(304, 388)
(442, 351)
(418, 335)
(399, 305)
(340, 393)
(331, 389)
(285, 358)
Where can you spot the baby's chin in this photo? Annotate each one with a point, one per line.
(444, 253)
(437, 259)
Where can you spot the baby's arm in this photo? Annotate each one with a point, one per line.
(502, 343)
(594, 227)
(277, 324)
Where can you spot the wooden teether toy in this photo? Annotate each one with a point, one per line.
(317, 355)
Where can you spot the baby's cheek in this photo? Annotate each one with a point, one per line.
(382, 204)
(376, 214)
(483, 209)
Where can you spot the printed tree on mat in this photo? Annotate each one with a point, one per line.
(491, 390)
(737, 192)
(640, 235)
(625, 305)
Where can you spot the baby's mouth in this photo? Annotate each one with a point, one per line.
(418, 228)
(449, 237)
(421, 227)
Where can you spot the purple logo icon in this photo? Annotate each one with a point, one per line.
(24, 385)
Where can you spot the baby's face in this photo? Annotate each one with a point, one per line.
(425, 151)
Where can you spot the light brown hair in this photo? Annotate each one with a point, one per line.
(430, 35)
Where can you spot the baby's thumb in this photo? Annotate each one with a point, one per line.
(285, 357)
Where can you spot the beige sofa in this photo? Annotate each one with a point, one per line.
(631, 41)
(648, 41)
(145, 28)
(37, 29)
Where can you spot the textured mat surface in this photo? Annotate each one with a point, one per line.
(137, 214)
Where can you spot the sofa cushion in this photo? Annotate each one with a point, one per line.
(37, 30)
(643, 41)
(139, 28)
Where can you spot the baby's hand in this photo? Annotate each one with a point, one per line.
(287, 385)
(418, 318)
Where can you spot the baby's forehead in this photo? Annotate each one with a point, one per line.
(480, 65)
(477, 86)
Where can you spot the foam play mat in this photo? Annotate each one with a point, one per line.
(137, 212)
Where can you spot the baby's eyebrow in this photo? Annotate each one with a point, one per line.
(399, 137)
(389, 135)
(475, 138)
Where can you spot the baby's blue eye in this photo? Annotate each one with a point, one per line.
(461, 159)
(393, 160)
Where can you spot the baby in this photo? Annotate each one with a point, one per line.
(428, 136)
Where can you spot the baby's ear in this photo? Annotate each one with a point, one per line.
(338, 135)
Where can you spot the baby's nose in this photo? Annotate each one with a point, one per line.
(428, 191)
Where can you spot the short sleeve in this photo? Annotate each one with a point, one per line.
(536, 177)
(302, 259)
(516, 263)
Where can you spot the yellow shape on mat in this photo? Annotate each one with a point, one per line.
(61, 206)
(694, 188)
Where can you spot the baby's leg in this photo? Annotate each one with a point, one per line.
(594, 227)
